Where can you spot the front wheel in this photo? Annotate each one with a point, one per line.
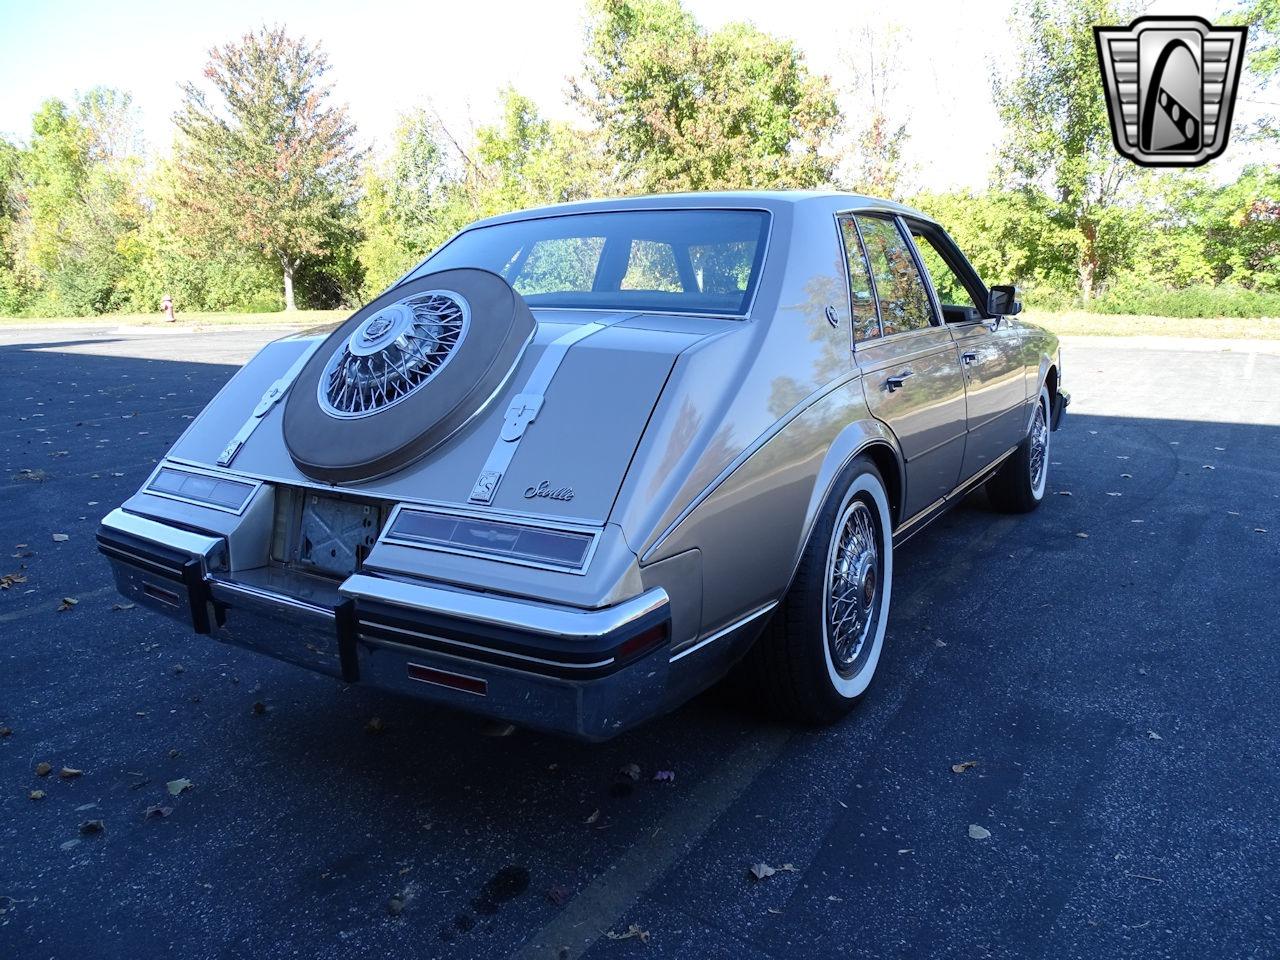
(820, 651)
(1019, 485)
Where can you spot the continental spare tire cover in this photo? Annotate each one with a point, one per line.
(404, 373)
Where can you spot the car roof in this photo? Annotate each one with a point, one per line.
(720, 199)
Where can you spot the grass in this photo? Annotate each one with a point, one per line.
(1076, 323)
(1070, 323)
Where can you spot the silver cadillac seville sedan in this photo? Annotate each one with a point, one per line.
(587, 459)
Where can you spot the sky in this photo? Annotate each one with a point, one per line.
(392, 57)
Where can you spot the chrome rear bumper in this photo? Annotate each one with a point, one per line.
(586, 673)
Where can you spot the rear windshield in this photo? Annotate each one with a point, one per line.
(674, 261)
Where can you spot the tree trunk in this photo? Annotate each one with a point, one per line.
(288, 266)
(1088, 266)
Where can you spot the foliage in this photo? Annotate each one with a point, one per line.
(680, 108)
(1058, 137)
(266, 160)
(265, 184)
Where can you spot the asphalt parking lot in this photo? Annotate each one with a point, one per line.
(1109, 663)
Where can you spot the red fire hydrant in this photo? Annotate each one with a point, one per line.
(166, 307)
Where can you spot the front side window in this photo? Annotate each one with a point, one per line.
(952, 293)
(671, 261)
(900, 291)
(862, 298)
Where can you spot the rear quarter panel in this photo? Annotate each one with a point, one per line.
(749, 426)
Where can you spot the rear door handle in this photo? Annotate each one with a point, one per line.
(969, 358)
(898, 380)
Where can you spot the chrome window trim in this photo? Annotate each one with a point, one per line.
(593, 533)
(658, 208)
(252, 482)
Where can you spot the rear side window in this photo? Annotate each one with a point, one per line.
(900, 291)
(862, 298)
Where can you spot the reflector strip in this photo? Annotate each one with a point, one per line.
(442, 678)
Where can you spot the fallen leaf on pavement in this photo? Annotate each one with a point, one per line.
(558, 895)
(36, 794)
(1111, 493)
(92, 826)
(1063, 493)
(978, 833)
(69, 773)
(963, 765)
(68, 603)
(1152, 735)
(665, 776)
(60, 538)
(9, 579)
(1259, 529)
(1083, 536)
(43, 769)
(595, 815)
(156, 811)
(761, 870)
(633, 932)
(123, 606)
(631, 770)
(1208, 466)
(175, 787)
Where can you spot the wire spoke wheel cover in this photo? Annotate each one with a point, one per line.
(394, 353)
(404, 374)
(1039, 452)
(854, 579)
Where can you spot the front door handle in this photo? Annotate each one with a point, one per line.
(969, 358)
(898, 380)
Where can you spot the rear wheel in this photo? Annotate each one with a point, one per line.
(1019, 485)
(820, 651)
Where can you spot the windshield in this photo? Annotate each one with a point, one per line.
(671, 261)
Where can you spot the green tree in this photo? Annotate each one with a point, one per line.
(1058, 135)
(432, 185)
(81, 207)
(403, 201)
(680, 108)
(266, 159)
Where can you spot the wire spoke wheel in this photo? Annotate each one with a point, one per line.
(1039, 448)
(393, 354)
(854, 580)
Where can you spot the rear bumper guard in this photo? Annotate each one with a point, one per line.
(587, 673)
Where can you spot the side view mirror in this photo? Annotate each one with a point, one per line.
(1002, 301)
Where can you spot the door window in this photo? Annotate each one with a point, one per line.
(900, 291)
(955, 298)
(862, 298)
